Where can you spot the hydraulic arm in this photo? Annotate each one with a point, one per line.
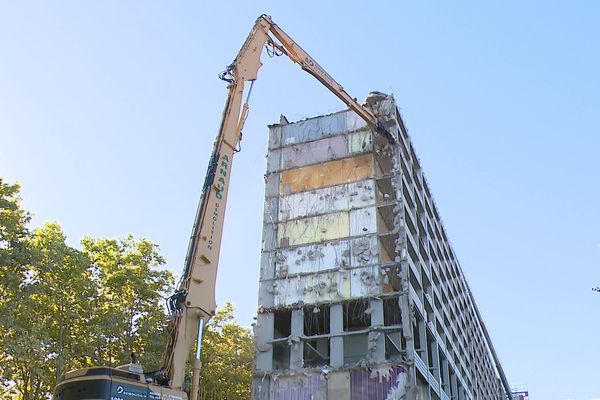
(194, 302)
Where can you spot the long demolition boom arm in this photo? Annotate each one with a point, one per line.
(194, 302)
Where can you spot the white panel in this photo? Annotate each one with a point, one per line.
(320, 201)
(354, 122)
(312, 258)
(327, 200)
(314, 152)
(330, 286)
(365, 281)
(364, 251)
(363, 221)
(325, 126)
(362, 194)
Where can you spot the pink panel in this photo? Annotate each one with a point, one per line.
(364, 387)
(298, 387)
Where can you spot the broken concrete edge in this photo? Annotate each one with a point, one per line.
(283, 120)
(299, 305)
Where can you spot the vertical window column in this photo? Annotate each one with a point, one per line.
(264, 335)
(297, 327)
(377, 338)
(336, 323)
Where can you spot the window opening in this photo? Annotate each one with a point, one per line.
(316, 320)
(357, 315)
(282, 328)
(316, 352)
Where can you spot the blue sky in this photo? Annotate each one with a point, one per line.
(108, 110)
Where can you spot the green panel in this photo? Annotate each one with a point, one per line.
(359, 142)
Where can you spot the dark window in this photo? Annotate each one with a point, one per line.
(316, 352)
(357, 315)
(88, 389)
(316, 320)
(282, 328)
(282, 323)
(281, 355)
(125, 374)
(391, 312)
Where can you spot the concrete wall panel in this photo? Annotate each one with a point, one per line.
(327, 200)
(274, 137)
(363, 221)
(338, 385)
(326, 174)
(312, 258)
(378, 384)
(362, 194)
(364, 251)
(365, 281)
(299, 387)
(331, 286)
(274, 161)
(317, 128)
(314, 152)
(313, 229)
(328, 286)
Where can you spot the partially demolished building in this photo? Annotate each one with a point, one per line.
(361, 295)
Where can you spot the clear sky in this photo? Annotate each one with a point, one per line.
(108, 110)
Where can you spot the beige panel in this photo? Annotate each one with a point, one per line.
(338, 386)
(326, 174)
(314, 229)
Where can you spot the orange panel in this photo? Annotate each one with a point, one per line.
(326, 174)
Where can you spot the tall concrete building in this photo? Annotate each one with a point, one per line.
(361, 295)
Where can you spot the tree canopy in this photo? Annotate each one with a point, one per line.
(63, 308)
(227, 357)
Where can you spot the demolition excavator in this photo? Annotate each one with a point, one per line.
(193, 304)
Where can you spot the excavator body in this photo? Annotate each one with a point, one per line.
(106, 383)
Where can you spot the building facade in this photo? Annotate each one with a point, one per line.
(361, 295)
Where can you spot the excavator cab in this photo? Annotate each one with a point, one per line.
(126, 382)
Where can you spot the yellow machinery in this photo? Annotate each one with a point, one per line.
(193, 303)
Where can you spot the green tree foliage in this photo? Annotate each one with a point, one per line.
(47, 313)
(227, 357)
(128, 313)
(13, 234)
(63, 308)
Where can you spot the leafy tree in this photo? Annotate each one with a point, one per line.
(45, 315)
(14, 255)
(129, 315)
(63, 308)
(227, 357)
(13, 234)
